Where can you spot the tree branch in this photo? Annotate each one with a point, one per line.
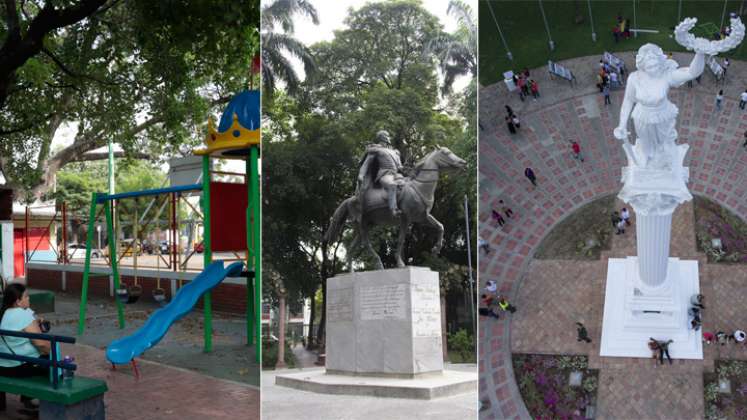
(71, 73)
(86, 157)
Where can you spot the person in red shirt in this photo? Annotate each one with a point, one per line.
(576, 150)
(534, 86)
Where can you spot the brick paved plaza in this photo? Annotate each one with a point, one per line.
(551, 295)
(162, 392)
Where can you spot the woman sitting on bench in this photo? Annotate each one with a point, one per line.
(16, 315)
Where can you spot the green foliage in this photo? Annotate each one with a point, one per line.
(143, 74)
(463, 344)
(270, 354)
(711, 392)
(590, 384)
(573, 362)
(730, 369)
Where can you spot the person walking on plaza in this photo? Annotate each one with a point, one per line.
(489, 308)
(620, 227)
(719, 99)
(529, 173)
(511, 126)
(625, 215)
(743, 99)
(509, 111)
(664, 350)
(583, 335)
(606, 93)
(725, 65)
(615, 218)
(505, 306)
(507, 211)
(697, 300)
(576, 150)
(498, 218)
(515, 120)
(523, 88)
(534, 86)
(745, 140)
(483, 245)
(491, 287)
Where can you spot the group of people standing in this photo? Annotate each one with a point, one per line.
(622, 29)
(607, 78)
(620, 220)
(526, 85)
(493, 303)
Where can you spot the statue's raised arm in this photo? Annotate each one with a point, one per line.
(646, 93)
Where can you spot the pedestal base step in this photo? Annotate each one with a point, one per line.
(446, 384)
(626, 329)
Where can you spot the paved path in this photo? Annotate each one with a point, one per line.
(162, 392)
(281, 403)
(717, 167)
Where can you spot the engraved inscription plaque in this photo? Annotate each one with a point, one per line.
(383, 302)
(426, 310)
(340, 305)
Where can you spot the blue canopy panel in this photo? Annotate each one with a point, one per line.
(245, 106)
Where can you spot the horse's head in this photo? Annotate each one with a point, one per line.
(446, 159)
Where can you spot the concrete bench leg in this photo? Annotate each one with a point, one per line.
(90, 409)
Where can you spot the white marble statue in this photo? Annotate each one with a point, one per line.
(654, 116)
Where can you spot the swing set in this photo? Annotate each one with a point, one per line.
(230, 213)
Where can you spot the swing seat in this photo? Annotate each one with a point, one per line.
(159, 295)
(123, 295)
(134, 291)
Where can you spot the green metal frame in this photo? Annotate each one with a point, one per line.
(207, 253)
(254, 255)
(87, 264)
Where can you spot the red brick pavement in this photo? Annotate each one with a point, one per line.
(162, 392)
(717, 164)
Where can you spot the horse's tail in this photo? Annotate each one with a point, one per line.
(338, 221)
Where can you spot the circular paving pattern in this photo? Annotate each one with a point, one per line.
(551, 294)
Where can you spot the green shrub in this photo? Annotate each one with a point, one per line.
(463, 344)
(270, 354)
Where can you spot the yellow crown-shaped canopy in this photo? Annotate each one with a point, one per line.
(238, 128)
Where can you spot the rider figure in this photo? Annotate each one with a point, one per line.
(389, 170)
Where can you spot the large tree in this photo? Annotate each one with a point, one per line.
(278, 47)
(377, 74)
(142, 74)
(457, 52)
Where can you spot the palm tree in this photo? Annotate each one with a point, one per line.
(277, 47)
(457, 52)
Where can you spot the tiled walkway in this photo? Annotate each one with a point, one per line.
(717, 167)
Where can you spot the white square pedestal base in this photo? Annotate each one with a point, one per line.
(633, 314)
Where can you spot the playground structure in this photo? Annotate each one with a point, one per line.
(231, 224)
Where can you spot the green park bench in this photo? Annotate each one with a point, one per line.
(78, 398)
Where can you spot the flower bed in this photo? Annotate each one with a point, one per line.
(544, 384)
(713, 221)
(732, 405)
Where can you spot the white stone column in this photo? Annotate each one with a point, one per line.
(6, 266)
(653, 233)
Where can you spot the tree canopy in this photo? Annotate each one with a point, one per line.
(142, 74)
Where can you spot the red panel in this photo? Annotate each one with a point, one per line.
(18, 252)
(38, 239)
(228, 203)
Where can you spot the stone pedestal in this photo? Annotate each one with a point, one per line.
(384, 323)
(633, 312)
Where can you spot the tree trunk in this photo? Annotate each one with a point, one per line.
(324, 274)
(281, 333)
(444, 333)
(310, 335)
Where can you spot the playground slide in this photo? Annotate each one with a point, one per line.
(123, 350)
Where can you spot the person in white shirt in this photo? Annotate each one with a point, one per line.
(613, 79)
(625, 215)
(743, 99)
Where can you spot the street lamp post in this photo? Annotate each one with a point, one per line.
(508, 52)
(591, 20)
(469, 264)
(544, 18)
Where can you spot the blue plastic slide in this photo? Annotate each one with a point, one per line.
(123, 350)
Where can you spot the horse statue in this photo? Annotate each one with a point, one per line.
(415, 201)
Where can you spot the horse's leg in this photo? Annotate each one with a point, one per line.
(367, 244)
(404, 224)
(436, 224)
(353, 250)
